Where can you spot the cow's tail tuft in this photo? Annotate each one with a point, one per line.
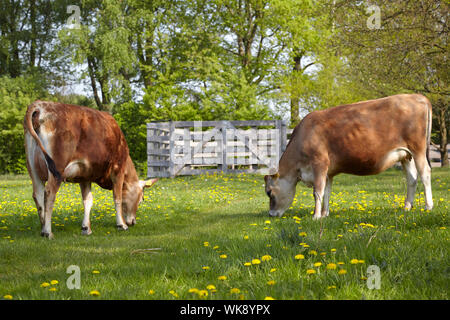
(28, 125)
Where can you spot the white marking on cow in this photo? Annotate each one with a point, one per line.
(411, 181)
(88, 201)
(307, 175)
(75, 168)
(395, 156)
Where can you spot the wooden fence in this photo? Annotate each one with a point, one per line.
(194, 147)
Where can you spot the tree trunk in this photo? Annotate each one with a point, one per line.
(295, 116)
(33, 34)
(91, 70)
(442, 120)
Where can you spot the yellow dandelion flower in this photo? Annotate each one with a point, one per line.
(95, 272)
(331, 266)
(310, 271)
(299, 257)
(202, 293)
(193, 290)
(302, 234)
(354, 261)
(205, 268)
(45, 284)
(206, 244)
(245, 237)
(331, 287)
(361, 261)
(151, 291)
(269, 298)
(53, 282)
(7, 297)
(211, 287)
(273, 269)
(267, 222)
(266, 258)
(235, 290)
(342, 271)
(173, 293)
(317, 264)
(223, 256)
(333, 250)
(256, 261)
(222, 278)
(52, 289)
(271, 282)
(94, 293)
(247, 264)
(313, 252)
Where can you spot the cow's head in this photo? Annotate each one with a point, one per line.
(132, 196)
(281, 192)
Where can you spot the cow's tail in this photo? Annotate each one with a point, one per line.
(34, 110)
(428, 134)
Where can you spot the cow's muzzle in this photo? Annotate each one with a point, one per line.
(131, 222)
(276, 213)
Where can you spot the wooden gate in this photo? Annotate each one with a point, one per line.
(195, 147)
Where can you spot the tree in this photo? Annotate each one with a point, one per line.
(15, 96)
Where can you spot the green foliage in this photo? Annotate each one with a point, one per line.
(15, 96)
(165, 60)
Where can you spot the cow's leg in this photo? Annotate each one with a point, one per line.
(51, 188)
(38, 196)
(326, 197)
(38, 184)
(117, 194)
(87, 203)
(425, 175)
(411, 182)
(320, 181)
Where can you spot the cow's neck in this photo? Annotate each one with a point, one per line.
(131, 176)
(287, 167)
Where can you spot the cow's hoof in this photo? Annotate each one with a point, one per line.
(408, 206)
(47, 235)
(86, 231)
(317, 217)
(122, 227)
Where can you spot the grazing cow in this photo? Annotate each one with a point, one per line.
(363, 138)
(77, 144)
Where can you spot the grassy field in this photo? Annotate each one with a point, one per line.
(217, 242)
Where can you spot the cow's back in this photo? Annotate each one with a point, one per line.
(85, 144)
(358, 137)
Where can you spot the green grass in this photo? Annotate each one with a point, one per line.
(197, 220)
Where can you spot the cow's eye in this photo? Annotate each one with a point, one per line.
(269, 193)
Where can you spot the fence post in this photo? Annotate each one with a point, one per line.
(224, 165)
(172, 149)
(283, 134)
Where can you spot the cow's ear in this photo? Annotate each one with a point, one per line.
(147, 183)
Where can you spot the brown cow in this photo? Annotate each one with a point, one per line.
(77, 144)
(363, 138)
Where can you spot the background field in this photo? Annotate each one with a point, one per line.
(213, 226)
